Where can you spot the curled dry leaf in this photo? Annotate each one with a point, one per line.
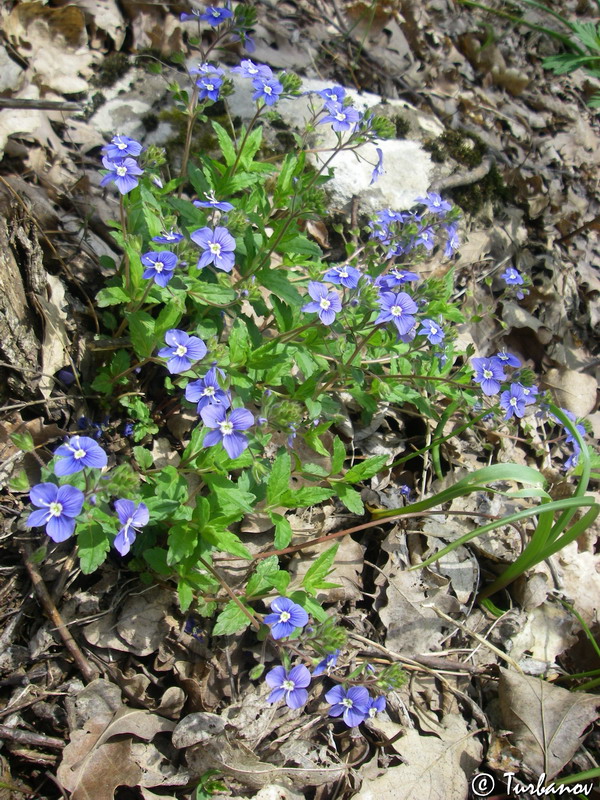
(547, 722)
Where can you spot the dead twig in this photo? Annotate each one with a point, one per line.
(28, 738)
(54, 615)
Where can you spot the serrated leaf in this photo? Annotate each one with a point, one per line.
(305, 496)
(314, 578)
(141, 330)
(182, 543)
(339, 456)
(223, 539)
(185, 594)
(93, 545)
(279, 478)
(111, 296)
(143, 457)
(231, 620)
(277, 282)
(350, 498)
(228, 497)
(283, 531)
(366, 469)
(225, 143)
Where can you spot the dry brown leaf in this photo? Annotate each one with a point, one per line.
(547, 722)
(436, 767)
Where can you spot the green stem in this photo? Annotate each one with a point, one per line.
(188, 136)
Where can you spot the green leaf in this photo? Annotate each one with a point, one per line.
(141, 330)
(111, 296)
(350, 498)
(223, 539)
(279, 479)
(283, 530)
(339, 456)
(306, 496)
(239, 343)
(366, 469)
(227, 497)
(93, 545)
(225, 143)
(24, 441)
(185, 593)
(183, 540)
(277, 282)
(317, 572)
(170, 316)
(301, 245)
(144, 457)
(231, 620)
(156, 558)
(214, 293)
(19, 482)
(251, 147)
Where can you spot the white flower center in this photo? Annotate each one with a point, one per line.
(284, 616)
(267, 90)
(340, 116)
(121, 171)
(253, 70)
(396, 311)
(209, 391)
(289, 686)
(55, 509)
(324, 303)
(210, 86)
(372, 712)
(159, 266)
(347, 702)
(215, 248)
(513, 401)
(343, 273)
(226, 428)
(487, 374)
(79, 453)
(433, 330)
(121, 145)
(180, 350)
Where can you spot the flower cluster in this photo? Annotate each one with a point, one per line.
(573, 458)
(59, 506)
(209, 80)
(489, 374)
(119, 159)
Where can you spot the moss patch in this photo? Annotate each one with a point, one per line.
(463, 146)
(111, 69)
(490, 188)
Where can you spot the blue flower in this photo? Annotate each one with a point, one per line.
(120, 147)
(218, 246)
(206, 391)
(530, 393)
(340, 117)
(378, 171)
(334, 94)
(267, 89)
(210, 87)
(352, 705)
(290, 686)
(376, 704)
(286, 617)
(325, 303)
(159, 265)
(452, 242)
(77, 453)
(512, 277)
(345, 275)
(123, 172)
(395, 277)
(207, 69)
(432, 331)
(506, 359)
(513, 401)
(182, 350)
(488, 373)
(227, 428)
(59, 505)
(434, 204)
(168, 237)
(399, 309)
(131, 518)
(248, 69)
(426, 237)
(212, 202)
(216, 16)
(326, 664)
